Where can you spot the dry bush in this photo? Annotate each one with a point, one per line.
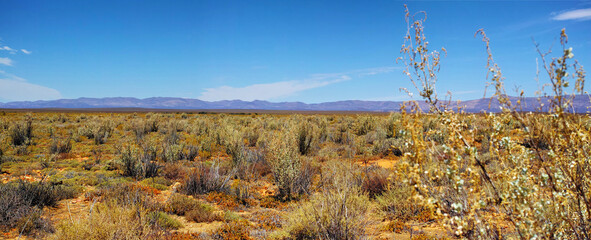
(233, 230)
(235, 148)
(532, 171)
(129, 162)
(398, 203)
(174, 171)
(144, 126)
(339, 211)
(1, 160)
(205, 179)
(305, 137)
(150, 169)
(112, 221)
(375, 182)
(139, 164)
(61, 147)
(223, 200)
(202, 214)
(97, 130)
(21, 133)
(162, 220)
(171, 152)
(255, 166)
(268, 219)
(21, 204)
(180, 204)
(126, 195)
(393, 126)
(192, 209)
(364, 124)
(292, 175)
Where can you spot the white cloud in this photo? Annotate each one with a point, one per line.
(6, 61)
(13, 88)
(7, 48)
(14, 51)
(579, 14)
(276, 90)
(374, 71)
(266, 91)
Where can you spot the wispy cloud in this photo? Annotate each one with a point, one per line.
(14, 51)
(579, 14)
(266, 91)
(7, 48)
(270, 91)
(14, 88)
(402, 97)
(374, 71)
(6, 61)
(463, 92)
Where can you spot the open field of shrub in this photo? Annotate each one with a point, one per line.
(295, 176)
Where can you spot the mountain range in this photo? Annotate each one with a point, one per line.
(581, 104)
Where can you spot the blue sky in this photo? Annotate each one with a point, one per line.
(309, 51)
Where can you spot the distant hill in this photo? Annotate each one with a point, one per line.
(581, 104)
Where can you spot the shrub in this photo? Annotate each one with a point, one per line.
(13, 207)
(234, 230)
(397, 203)
(174, 171)
(159, 183)
(111, 221)
(305, 137)
(102, 132)
(192, 209)
(393, 126)
(202, 214)
(98, 131)
(191, 152)
(1, 159)
(235, 148)
(222, 200)
(150, 169)
(375, 181)
(537, 185)
(126, 194)
(21, 203)
(129, 163)
(291, 175)
(59, 147)
(241, 192)
(255, 166)
(33, 222)
(163, 220)
(144, 126)
(268, 219)
(339, 211)
(21, 133)
(205, 179)
(364, 124)
(172, 152)
(179, 204)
